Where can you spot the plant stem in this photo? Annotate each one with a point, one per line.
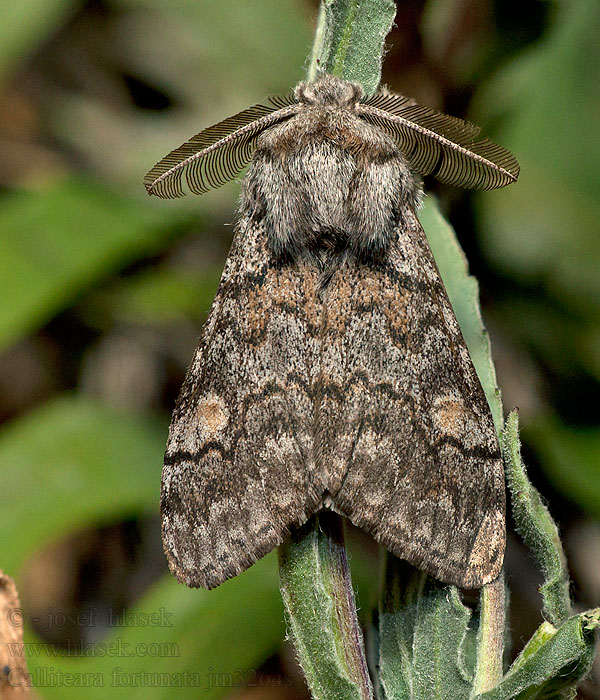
(318, 45)
(349, 40)
(490, 641)
(320, 611)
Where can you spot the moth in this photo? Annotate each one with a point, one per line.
(331, 372)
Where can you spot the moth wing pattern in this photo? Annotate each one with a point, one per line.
(239, 470)
(331, 370)
(406, 429)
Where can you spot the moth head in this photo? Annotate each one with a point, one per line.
(329, 91)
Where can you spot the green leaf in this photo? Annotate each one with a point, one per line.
(463, 292)
(441, 627)
(536, 527)
(320, 611)
(60, 240)
(542, 634)
(402, 586)
(70, 463)
(349, 40)
(203, 644)
(552, 663)
(423, 628)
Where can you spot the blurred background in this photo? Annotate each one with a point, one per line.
(103, 292)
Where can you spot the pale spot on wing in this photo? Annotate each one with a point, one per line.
(213, 416)
(489, 537)
(452, 417)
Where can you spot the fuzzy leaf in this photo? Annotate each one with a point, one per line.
(402, 584)
(349, 40)
(552, 662)
(321, 613)
(423, 627)
(535, 525)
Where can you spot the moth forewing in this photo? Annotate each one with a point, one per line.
(332, 371)
(405, 420)
(239, 469)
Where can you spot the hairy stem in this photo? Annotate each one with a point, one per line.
(536, 527)
(320, 610)
(490, 640)
(349, 40)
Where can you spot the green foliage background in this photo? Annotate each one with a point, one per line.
(104, 290)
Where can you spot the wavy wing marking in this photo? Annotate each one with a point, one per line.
(217, 154)
(437, 144)
(406, 434)
(239, 470)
